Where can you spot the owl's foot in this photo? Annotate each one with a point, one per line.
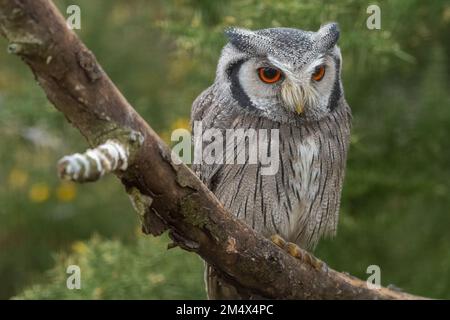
(279, 241)
(297, 252)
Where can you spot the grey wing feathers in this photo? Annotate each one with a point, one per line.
(200, 108)
(200, 105)
(216, 288)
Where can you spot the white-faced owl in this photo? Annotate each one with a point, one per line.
(290, 80)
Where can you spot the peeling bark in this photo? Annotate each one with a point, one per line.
(164, 192)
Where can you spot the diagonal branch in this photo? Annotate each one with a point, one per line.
(168, 196)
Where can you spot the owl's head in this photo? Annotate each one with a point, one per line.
(283, 73)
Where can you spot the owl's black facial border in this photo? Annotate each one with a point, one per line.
(336, 92)
(237, 91)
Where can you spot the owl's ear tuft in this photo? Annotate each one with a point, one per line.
(237, 34)
(327, 36)
(246, 40)
(240, 38)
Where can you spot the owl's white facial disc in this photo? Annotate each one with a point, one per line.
(262, 95)
(297, 54)
(304, 94)
(296, 94)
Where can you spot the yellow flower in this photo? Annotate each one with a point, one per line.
(446, 14)
(66, 191)
(97, 293)
(228, 20)
(79, 247)
(17, 178)
(156, 278)
(39, 192)
(181, 123)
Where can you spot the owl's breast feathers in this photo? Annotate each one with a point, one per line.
(301, 200)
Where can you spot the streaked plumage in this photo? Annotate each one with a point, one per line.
(301, 201)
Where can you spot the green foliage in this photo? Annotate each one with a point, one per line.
(111, 270)
(162, 54)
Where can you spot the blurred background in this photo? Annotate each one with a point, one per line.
(162, 54)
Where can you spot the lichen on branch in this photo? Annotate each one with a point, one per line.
(94, 163)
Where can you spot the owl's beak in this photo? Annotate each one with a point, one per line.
(293, 97)
(299, 108)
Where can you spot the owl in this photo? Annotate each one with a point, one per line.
(288, 80)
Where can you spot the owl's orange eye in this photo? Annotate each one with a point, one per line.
(318, 74)
(269, 75)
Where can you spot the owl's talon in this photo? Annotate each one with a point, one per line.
(279, 241)
(294, 250)
(297, 252)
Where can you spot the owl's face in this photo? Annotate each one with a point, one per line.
(281, 73)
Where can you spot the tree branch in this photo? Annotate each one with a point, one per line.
(168, 196)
